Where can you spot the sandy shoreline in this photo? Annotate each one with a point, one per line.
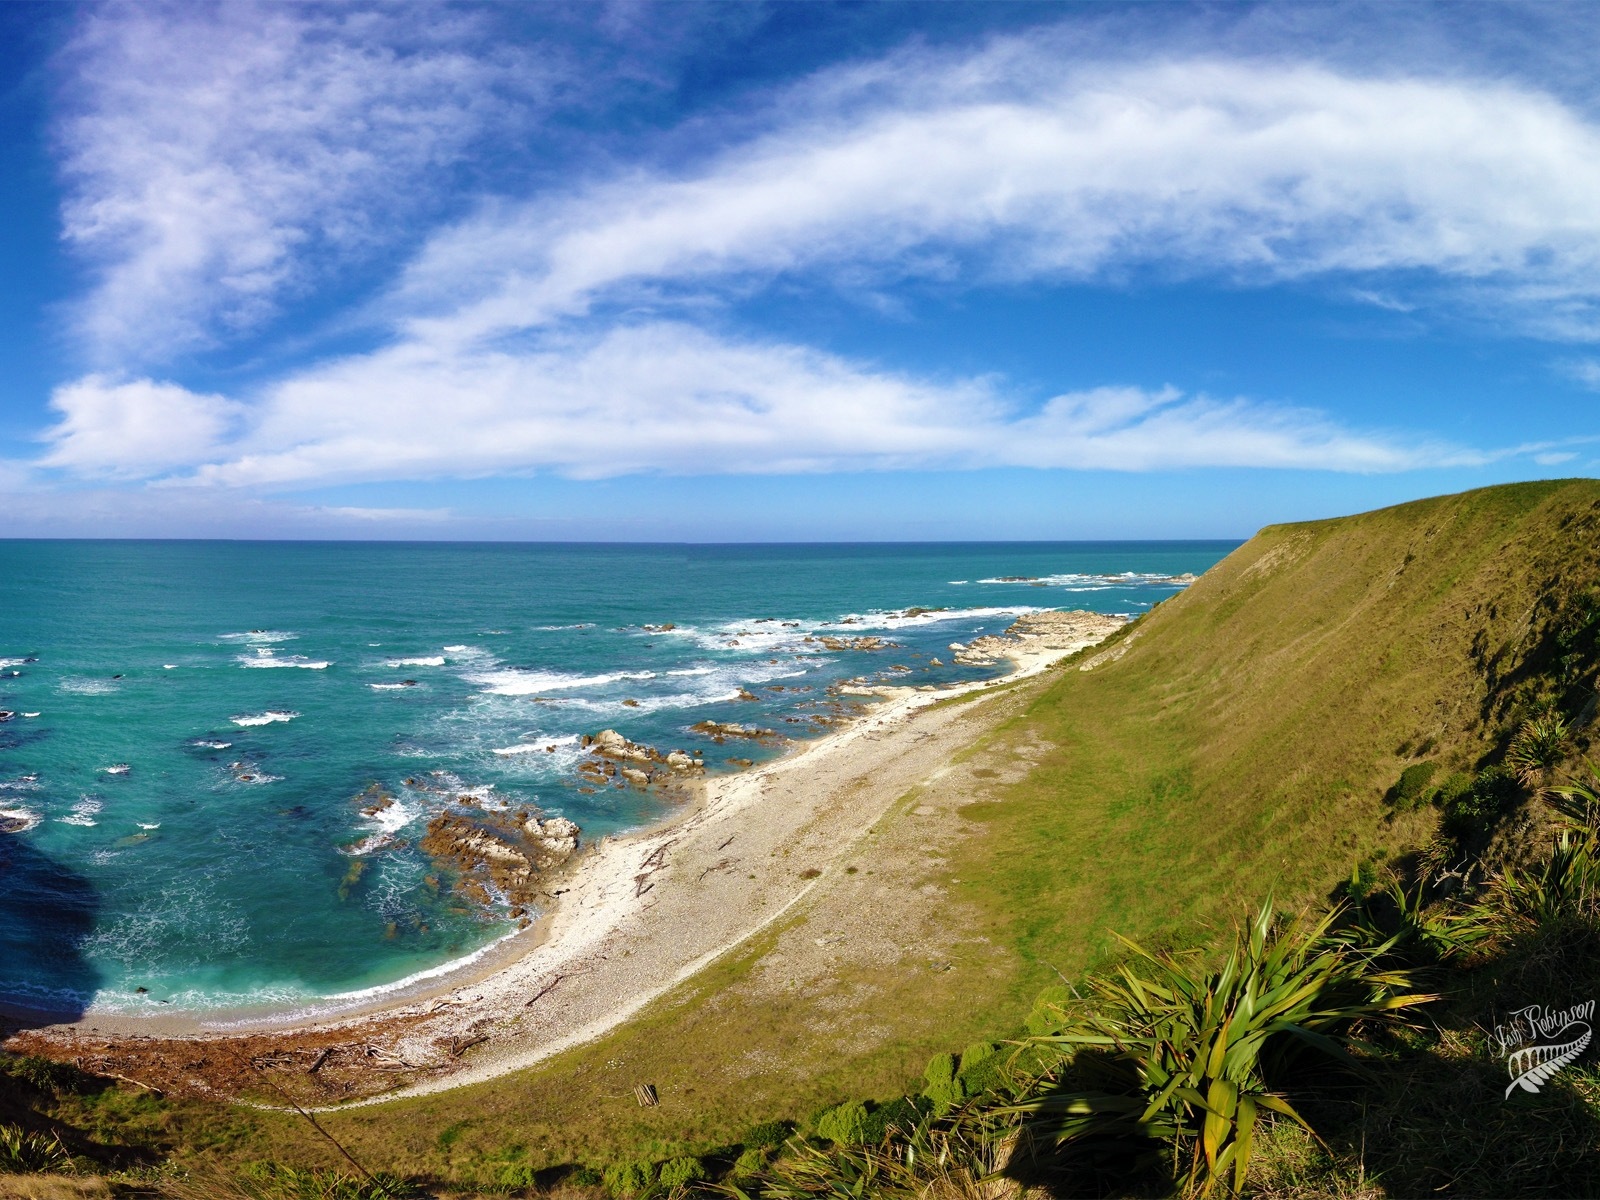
(638, 915)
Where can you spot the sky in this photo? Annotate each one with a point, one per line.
(790, 271)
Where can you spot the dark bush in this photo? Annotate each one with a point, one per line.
(1412, 789)
(1494, 792)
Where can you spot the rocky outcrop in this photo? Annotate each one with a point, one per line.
(717, 731)
(611, 750)
(499, 855)
(865, 642)
(1063, 631)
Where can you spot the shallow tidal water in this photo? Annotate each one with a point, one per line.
(192, 722)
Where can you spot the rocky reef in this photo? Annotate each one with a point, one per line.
(499, 855)
(1065, 631)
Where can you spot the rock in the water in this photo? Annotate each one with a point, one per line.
(726, 729)
(499, 852)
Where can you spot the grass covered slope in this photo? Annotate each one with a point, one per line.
(1242, 736)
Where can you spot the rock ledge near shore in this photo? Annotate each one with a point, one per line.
(1041, 631)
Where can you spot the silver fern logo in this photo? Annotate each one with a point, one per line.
(1538, 1041)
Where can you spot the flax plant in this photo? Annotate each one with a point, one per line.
(1191, 1057)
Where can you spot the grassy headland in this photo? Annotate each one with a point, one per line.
(1244, 738)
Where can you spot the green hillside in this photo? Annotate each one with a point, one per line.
(1247, 735)
(1243, 738)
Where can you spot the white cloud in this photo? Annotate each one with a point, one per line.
(135, 429)
(1010, 166)
(670, 398)
(221, 157)
(1584, 370)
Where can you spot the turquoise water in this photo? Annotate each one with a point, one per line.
(195, 719)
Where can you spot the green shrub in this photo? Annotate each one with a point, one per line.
(982, 1069)
(680, 1172)
(844, 1125)
(943, 1088)
(628, 1177)
(1045, 1016)
(898, 1114)
(751, 1162)
(587, 1177)
(42, 1074)
(27, 1153)
(1493, 793)
(1412, 789)
(768, 1135)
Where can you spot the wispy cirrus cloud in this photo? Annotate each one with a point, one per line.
(221, 158)
(1012, 166)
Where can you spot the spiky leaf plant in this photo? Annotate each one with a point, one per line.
(1191, 1057)
(1538, 746)
(24, 1153)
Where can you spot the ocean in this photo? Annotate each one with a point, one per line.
(194, 725)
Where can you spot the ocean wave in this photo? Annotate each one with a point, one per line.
(117, 769)
(911, 617)
(83, 812)
(436, 660)
(151, 825)
(23, 783)
(259, 636)
(394, 818)
(266, 718)
(16, 662)
(30, 716)
(391, 687)
(210, 744)
(88, 687)
(515, 681)
(1093, 581)
(269, 658)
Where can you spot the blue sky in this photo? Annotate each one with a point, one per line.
(788, 271)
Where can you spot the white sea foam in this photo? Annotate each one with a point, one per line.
(83, 812)
(436, 660)
(901, 619)
(514, 681)
(13, 662)
(1092, 582)
(210, 744)
(30, 716)
(523, 748)
(266, 718)
(169, 666)
(259, 636)
(88, 687)
(117, 769)
(150, 825)
(393, 818)
(390, 687)
(269, 658)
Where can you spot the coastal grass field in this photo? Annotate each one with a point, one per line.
(1236, 742)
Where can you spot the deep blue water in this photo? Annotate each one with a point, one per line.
(250, 692)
